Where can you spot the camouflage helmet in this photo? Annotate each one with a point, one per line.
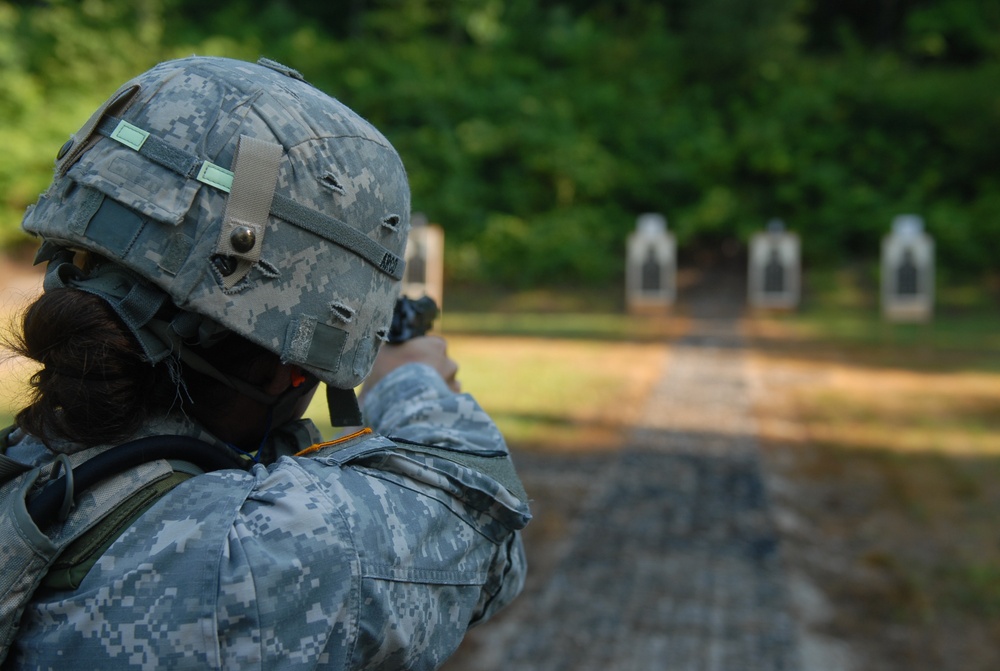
(250, 199)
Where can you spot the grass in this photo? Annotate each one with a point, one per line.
(601, 327)
(551, 393)
(556, 393)
(954, 413)
(841, 308)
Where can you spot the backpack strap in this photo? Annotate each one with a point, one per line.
(47, 504)
(188, 457)
(9, 468)
(28, 552)
(79, 557)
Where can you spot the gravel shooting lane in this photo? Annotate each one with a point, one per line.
(665, 554)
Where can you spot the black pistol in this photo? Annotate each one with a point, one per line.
(412, 318)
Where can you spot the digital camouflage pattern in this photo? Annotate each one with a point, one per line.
(364, 554)
(253, 199)
(228, 196)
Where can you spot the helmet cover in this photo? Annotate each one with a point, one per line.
(249, 198)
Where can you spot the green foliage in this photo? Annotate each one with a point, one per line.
(536, 131)
(49, 76)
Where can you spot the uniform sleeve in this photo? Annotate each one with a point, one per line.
(384, 558)
(413, 403)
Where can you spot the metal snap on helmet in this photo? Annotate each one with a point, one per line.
(248, 197)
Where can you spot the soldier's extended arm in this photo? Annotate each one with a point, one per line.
(452, 435)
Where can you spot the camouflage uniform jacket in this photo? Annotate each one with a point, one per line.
(379, 554)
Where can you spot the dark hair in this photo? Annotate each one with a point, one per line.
(95, 388)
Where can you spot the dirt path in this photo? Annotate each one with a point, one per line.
(664, 555)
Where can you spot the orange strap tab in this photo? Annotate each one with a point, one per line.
(319, 446)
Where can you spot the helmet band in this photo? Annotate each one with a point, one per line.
(255, 174)
(188, 165)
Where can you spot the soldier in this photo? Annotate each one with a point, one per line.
(221, 237)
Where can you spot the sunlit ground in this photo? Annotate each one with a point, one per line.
(574, 392)
(841, 403)
(560, 394)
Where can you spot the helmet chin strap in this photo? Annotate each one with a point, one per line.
(199, 364)
(277, 402)
(343, 407)
(342, 404)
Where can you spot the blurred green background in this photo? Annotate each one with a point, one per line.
(536, 130)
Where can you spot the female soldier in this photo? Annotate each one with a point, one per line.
(220, 238)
